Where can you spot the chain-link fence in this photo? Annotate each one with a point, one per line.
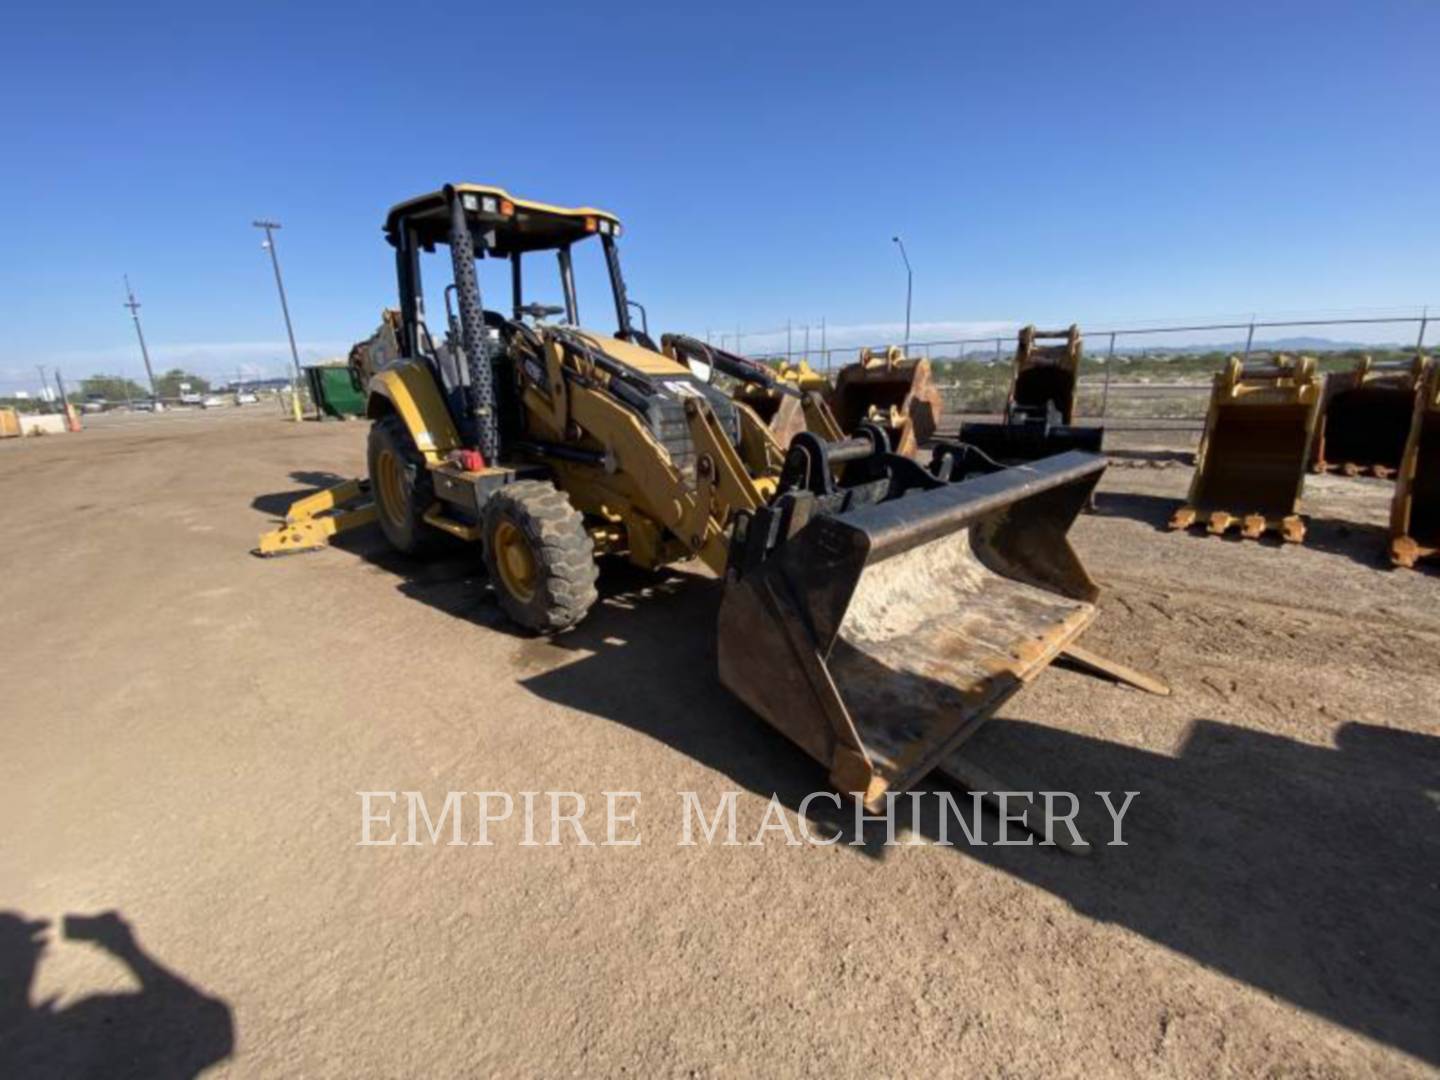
(1142, 373)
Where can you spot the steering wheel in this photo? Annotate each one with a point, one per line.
(539, 311)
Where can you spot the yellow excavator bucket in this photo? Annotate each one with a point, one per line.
(1046, 376)
(1250, 468)
(1415, 512)
(783, 413)
(878, 639)
(893, 391)
(1365, 418)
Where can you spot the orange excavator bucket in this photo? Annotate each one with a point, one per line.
(894, 391)
(1415, 511)
(1250, 468)
(1365, 418)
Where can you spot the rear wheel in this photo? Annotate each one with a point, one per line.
(401, 487)
(539, 555)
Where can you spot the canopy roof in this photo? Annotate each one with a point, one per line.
(518, 224)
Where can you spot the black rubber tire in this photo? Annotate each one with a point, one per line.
(562, 551)
(404, 524)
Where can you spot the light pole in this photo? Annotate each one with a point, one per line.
(269, 245)
(134, 306)
(909, 288)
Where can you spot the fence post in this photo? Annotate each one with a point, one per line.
(1420, 341)
(1109, 362)
(1250, 337)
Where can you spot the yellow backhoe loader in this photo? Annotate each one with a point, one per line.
(1415, 511)
(874, 610)
(894, 391)
(1250, 467)
(1365, 416)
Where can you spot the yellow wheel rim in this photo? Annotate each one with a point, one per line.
(390, 478)
(515, 561)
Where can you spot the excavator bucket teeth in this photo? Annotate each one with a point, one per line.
(888, 389)
(1365, 417)
(1415, 511)
(879, 639)
(1250, 468)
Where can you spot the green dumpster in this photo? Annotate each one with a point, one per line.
(335, 390)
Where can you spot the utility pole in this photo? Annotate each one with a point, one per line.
(269, 245)
(134, 306)
(72, 421)
(909, 289)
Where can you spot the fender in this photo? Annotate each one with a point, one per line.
(408, 388)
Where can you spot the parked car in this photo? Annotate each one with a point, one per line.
(246, 397)
(212, 401)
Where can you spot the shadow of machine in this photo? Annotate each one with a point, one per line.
(1302, 870)
(1250, 468)
(1040, 409)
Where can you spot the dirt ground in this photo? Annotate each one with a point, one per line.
(186, 729)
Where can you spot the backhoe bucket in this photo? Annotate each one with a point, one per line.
(1250, 468)
(1046, 376)
(888, 389)
(1365, 418)
(1415, 512)
(1040, 410)
(879, 639)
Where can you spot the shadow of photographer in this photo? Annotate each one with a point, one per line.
(167, 1029)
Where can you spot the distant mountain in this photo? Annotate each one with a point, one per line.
(1290, 344)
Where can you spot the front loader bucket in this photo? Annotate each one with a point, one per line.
(879, 639)
(1250, 467)
(887, 389)
(1415, 511)
(1365, 417)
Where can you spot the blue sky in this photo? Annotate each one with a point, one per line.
(1051, 162)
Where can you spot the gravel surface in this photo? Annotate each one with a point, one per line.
(186, 729)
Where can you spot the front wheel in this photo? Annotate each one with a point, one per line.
(540, 558)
